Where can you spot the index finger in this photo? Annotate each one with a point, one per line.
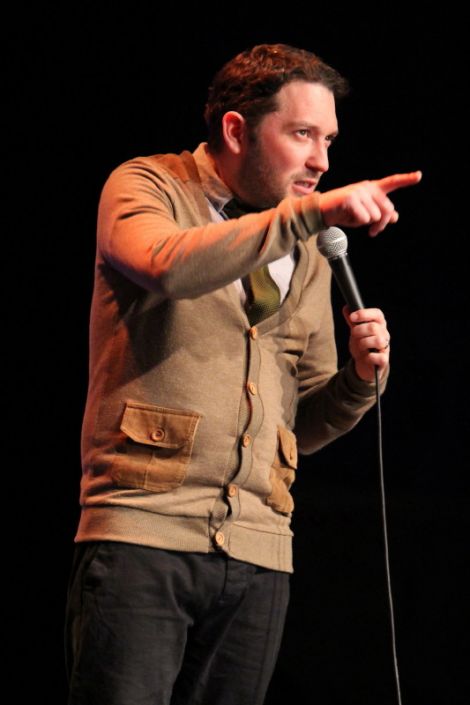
(391, 183)
(366, 315)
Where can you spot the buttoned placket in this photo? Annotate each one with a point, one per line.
(227, 508)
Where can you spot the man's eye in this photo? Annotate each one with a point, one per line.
(303, 132)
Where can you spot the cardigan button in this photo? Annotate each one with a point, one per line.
(158, 434)
(252, 388)
(246, 440)
(232, 490)
(253, 332)
(219, 538)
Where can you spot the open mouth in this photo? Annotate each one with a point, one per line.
(304, 187)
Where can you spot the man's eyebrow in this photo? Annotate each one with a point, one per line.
(310, 126)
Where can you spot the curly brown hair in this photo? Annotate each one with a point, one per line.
(249, 84)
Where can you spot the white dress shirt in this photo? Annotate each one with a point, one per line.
(280, 270)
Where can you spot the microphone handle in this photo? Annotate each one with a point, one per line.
(346, 281)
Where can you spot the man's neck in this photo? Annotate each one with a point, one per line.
(224, 168)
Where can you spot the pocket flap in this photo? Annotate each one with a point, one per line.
(157, 425)
(288, 446)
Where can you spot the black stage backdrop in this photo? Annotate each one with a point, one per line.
(92, 85)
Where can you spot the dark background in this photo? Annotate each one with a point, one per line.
(93, 85)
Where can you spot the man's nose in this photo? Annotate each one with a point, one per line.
(318, 157)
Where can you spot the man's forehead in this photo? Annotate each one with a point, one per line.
(304, 97)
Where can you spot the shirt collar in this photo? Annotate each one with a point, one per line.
(214, 188)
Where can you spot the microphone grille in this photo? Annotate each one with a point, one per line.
(332, 243)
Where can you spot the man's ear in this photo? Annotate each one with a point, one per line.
(234, 131)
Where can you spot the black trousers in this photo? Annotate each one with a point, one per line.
(146, 626)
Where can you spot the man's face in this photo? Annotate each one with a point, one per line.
(288, 152)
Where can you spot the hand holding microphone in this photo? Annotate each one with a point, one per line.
(368, 342)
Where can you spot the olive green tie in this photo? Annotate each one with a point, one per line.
(263, 296)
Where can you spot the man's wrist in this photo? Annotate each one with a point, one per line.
(309, 207)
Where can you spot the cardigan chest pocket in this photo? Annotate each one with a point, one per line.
(283, 471)
(157, 443)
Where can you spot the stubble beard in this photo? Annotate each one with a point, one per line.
(257, 181)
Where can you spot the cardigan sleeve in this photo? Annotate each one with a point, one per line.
(330, 401)
(140, 236)
(333, 408)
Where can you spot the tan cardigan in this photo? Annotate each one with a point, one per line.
(188, 439)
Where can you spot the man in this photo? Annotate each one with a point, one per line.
(208, 369)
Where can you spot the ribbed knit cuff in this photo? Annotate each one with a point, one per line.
(360, 386)
(310, 215)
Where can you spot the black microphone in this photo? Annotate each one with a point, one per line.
(333, 244)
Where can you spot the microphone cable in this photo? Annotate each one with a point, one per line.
(332, 243)
(385, 536)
